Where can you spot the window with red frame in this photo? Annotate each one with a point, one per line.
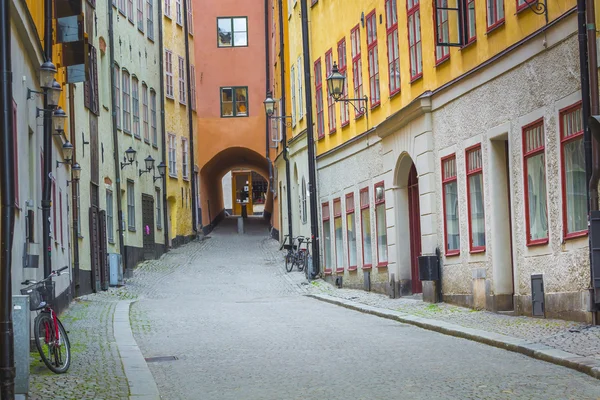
(342, 67)
(351, 232)
(475, 199)
(536, 204)
(495, 13)
(522, 4)
(373, 58)
(442, 53)
(356, 66)
(450, 200)
(330, 101)
(380, 225)
(54, 205)
(391, 28)
(15, 134)
(365, 220)
(574, 186)
(470, 21)
(326, 238)
(319, 99)
(414, 39)
(339, 238)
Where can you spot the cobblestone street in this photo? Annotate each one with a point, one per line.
(240, 327)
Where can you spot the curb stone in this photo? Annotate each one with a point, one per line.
(538, 351)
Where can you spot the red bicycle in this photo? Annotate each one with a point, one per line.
(51, 338)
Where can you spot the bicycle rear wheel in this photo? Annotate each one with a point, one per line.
(301, 261)
(55, 352)
(289, 262)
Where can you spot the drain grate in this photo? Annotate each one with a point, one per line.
(160, 359)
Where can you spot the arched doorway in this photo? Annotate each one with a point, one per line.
(414, 218)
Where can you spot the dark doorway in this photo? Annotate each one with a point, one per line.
(148, 226)
(414, 217)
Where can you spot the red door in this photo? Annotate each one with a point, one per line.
(414, 217)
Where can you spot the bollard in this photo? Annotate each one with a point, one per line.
(240, 221)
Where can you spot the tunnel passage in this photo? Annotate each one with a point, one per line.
(211, 188)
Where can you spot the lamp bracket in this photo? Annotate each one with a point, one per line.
(359, 110)
(157, 178)
(286, 119)
(31, 93)
(67, 161)
(539, 7)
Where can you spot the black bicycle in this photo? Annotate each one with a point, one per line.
(296, 255)
(51, 337)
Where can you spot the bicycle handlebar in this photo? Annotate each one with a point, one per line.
(57, 272)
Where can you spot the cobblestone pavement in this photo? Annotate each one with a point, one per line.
(571, 337)
(239, 328)
(96, 371)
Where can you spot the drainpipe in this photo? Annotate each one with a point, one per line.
(594, 110)
(283, 125)
(47, 140)
(310, 139)
(74, 189)
(7, 192)
(267, 89)
(116, 155)
(190, 115)
(162, 121)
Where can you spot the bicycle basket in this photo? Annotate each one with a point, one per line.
(40, 294)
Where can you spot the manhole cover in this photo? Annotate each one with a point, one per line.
(162, 358)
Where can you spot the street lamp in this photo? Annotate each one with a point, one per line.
(47, 72)
(59, 117)
(54, 94)
(162, 170)
(129, 157)
(269, 105)
(149, 161)
(76, 172)
(67, 150)
(335, 86)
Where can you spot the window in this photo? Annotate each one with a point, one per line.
(130, 206)
(327, 261)
(15, 135)
(342, 67)
(158, 210)
(169, 72)
(150, 19)
(190, 17)
(475, 199)
(126, 103)
(179, 15)
(373, 59)
(365, 217)
(140, 15)
(380, 225)
(153, 117)
(319, 99)
(123, 7)
(172, 155)
(303, 201)
(442, 53)
(495, 13)
(136, 106)
(193, 86)
(60, 208)
(90, 86)
(232, 32)
(574, 185)
(130, 10)
(145, 113)
(117, 95)
(414, 39)
(536, 205)
(522, 4)
(300, 91)
(356, 66)
(184, 158)
(470, 21)
(293, 93)
(234, 101)
(351, 232)
(339, 238)
(391, 28)
(109, 217)
(168, 8)
(450, 201)
(330, 101)
(54, 218)
(181, 81)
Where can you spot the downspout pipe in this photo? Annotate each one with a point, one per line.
(74, 190)
(190, 115)
(586, 112)
(7, 192)
(47, 151)
(267, 90)
(116, 154)
(310, 140)
(283, 114)
(162, 121)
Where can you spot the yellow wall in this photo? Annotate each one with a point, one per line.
(176, 122)
(332, 20)
(293, 49)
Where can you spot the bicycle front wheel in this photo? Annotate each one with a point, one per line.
(55, 351)
(301, 261)
(289, 262)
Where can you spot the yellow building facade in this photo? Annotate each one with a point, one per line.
(180, 170)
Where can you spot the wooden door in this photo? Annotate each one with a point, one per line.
(148, 226)
(95, 248)
(414, 216)
(104, 279)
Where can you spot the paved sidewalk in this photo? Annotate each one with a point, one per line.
(567, 343)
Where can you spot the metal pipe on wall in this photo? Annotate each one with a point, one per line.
(267, 89)
(162, 121)
(74, 190)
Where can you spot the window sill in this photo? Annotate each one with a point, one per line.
(394, 94)
(183, 103)
(141, 30)
(477, 250)
(367, 266)
(339, 270)
(334, 130)
(167, 16)
(80, 237)
(186, 178)
(443, 61)
(111, 241)
(123, 13)
(416, 78)
(345, 125)
(359, 116)
(150, 39)
(105, 107)
(169, 97)
(173, 176)
(146, 141)
(155, 145)
(321, 137)
(495, 27)
(127, 132)
(350, 269)
(130, 229)
(469, 45)
(576, 235)
(327, 271)
(376, 105)
(453, 253)
(179, 25)
(137, 137)
(538, 242)
(131, 21)
(159, 228)
(522, 8)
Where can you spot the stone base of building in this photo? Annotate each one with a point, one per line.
(206, 229)
(85, 283)
(62, 301)
(135, 255)
(180, 240)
